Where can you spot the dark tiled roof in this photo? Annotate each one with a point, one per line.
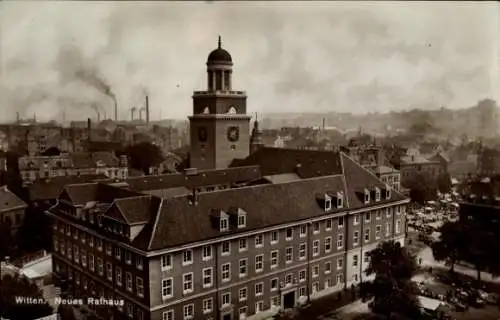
(305, 163)
(50, 189)
(134, 210)
(80, 194)
(203, 178)
(265, 206)
(9, 200)
(89, 160)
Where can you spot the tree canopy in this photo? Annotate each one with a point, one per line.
(444, 183)
(143, 156)
(391, 293)
(16, 286)
(422, 188)
(451, 245)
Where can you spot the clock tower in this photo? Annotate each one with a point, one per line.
(219, 126)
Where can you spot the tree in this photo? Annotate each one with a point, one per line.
(481, 249)
(144, 155)
(52, 151)
(391, 293)
(422, 189)
(444, 183)
(16, 287)
(35, 232)
(452, 244)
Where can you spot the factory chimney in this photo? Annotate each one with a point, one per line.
(324, 124)
(89, 128)
(116, 111)
(18, 117)
(147, 109)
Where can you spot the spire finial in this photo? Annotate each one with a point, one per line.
(220, 42)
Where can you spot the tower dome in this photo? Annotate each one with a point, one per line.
(219, 56)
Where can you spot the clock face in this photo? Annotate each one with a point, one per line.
(233, 134)
(202, 134)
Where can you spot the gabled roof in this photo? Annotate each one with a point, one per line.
(133, 210)
(9, 201)
(50, 189)
(80, 194)
(305, 163)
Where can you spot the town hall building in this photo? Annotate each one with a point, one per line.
(246, 231)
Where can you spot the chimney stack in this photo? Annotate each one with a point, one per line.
(18, 117)
(324, 123)
(116, 111)
(147, 109)
(89, 128)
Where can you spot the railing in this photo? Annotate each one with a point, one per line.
(219, 92)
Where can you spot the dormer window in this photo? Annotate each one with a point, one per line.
(242, 220)
(388, 192)
(328, 203)
(340, 199)
(367, 196)
(377, 194)
(224, 224)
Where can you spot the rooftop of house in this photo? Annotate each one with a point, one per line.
(483, 190)
(293, 197)
(79, 160)
(42, 190)
(382, 169)
(9, 201)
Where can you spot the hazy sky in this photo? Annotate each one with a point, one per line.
(288, 56)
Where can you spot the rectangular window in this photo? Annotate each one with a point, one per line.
(274, 284)
(224, 224)
(167, 288)
(288, 278)
(242, 294)
(289, 255)
(109, 271)
(129, 281)
(91, 262)
(355, 238)
(328, 244)
(274, 258)
(243, 246)
(259, 306)
(368, 216)
(340, 263)
(356, 219)
(316, 227)
(315, 271)
(128, 257)
(226, 248)
(189, 311)
(242, 221)
(302, 251)
(355, 260)
(328, 267)
(84, 258)
(367, 235)
(302, 231)
(139, 286)
(168, 315)
(398, 226)
(118, 276)
(187, 283)
(187, 257)
(302, 275)
(118, 253)
(274, 237)
(289, 234)
(109, 249)
(207, 252)
(225, 299)
(315, 248)
(259, 289)
(139, 263)
(387, 229)
(166, 262)
(341, 222)
(378, 230)
(379, 215)
(100, 267)
(242, 312)
(259, 263)
(259, 241)
(76, 254)
(328, 224)
(226, 272)
(340, 241)
(243, 265)
(207, 277)
(207, 305)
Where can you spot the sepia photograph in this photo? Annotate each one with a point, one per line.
(249, 160)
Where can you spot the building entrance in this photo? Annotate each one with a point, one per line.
(289, 300)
